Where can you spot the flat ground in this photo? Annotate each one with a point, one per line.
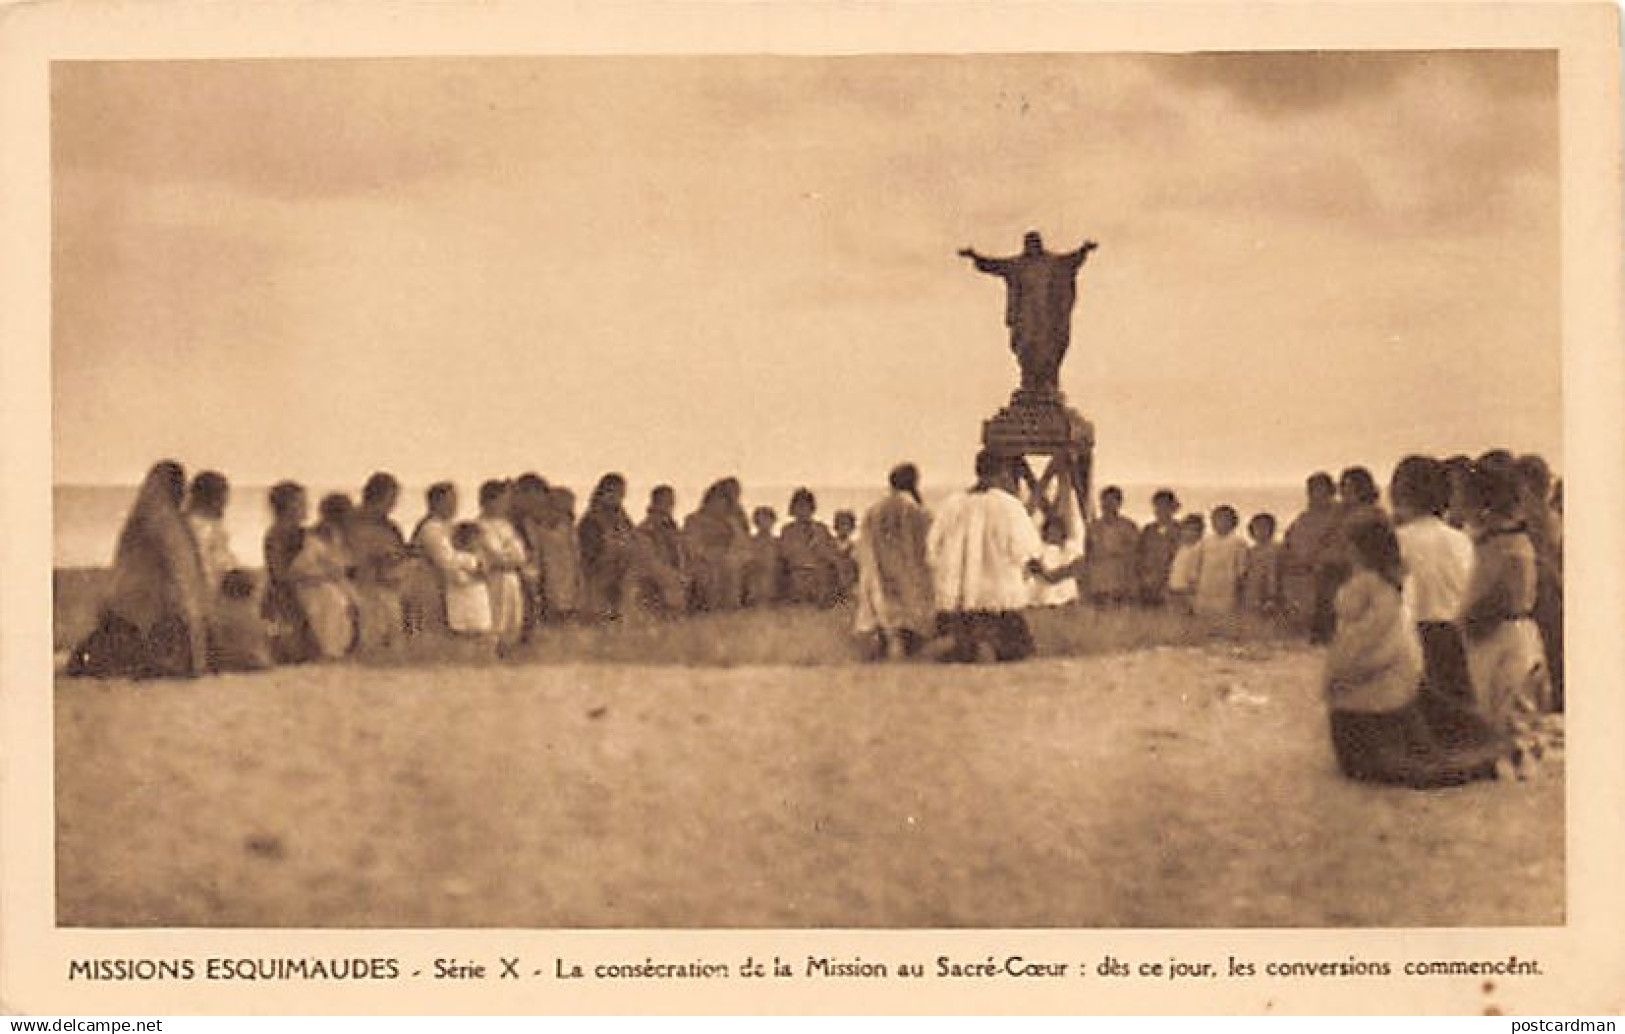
(1155, 787)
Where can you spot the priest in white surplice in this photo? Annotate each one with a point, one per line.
(984, 550)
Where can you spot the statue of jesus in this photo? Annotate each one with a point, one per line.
(1040, 288)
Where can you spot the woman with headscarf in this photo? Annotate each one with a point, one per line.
(154, 619)
(378, 550)
(1507, 662)
(1304, 548)
(896, 601)
(1374, 672)
(558, 556)
(605, 537)
(660, 559)
(718, 536)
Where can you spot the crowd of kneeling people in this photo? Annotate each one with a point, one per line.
(350, 582)
(1442, 612)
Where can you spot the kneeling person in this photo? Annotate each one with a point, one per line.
(1374, 672)
(983, 548)
(239, 636)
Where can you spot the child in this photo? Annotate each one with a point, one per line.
(1159, 541)
(1357, 499)
(205, 516)
(321, 578)
(846, 554)
(291, 639)
(1221, 565)
(1261, 588)
(503, 555)
(1373, 671)
(239, 637)
(468, 599)
(809, 553)
(1182, 572)
(764, 570)
(1112, 544)
(1057, 584)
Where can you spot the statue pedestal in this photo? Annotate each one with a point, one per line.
(1036, 422)
(1040, 423)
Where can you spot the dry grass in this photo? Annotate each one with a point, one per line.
(794, 636)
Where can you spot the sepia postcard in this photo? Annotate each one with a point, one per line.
(901, 508)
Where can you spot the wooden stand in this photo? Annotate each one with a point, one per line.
(1039, 424)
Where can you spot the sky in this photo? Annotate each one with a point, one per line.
(686, 267)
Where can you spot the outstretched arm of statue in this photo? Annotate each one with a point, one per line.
(1083, 252)
(987, 265)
